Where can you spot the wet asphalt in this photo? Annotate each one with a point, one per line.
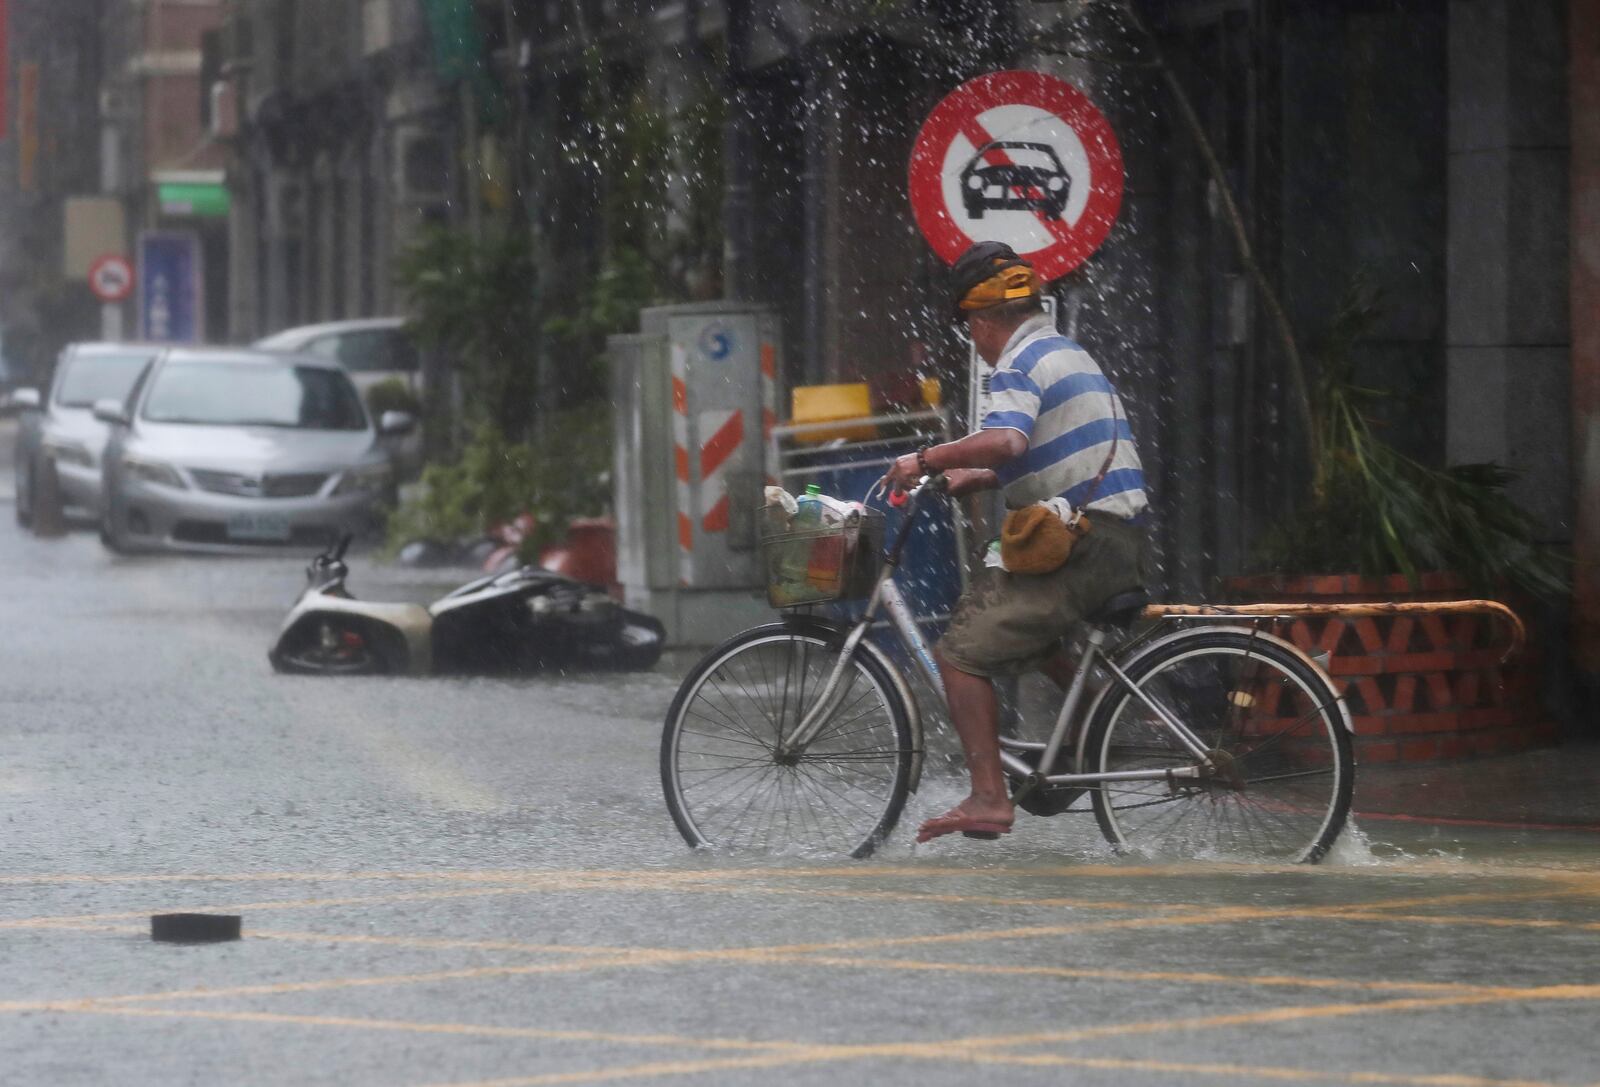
(475, 881)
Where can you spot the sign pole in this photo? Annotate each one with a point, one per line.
(111, 279)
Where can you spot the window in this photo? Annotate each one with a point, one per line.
(223, 394)
(88, 378)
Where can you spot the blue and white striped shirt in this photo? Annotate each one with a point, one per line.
(1049, 389)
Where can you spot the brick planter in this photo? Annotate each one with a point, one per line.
(1420, 687)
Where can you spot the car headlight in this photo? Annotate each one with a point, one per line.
(67, 451)
(153, 471)
(367, 479)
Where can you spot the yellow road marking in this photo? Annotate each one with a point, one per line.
(531, 886)
(981, 1049)
(768, 1054)
(1167, 976)
(475, 1030)
(1169, 912)
(421, 943)
(657, 1069)
(1297, 1013)
(648, 957)
(1469, 919)
(1245, 1071)
(1541, 893)
(248, 877)
(921, 896)
(868, 870)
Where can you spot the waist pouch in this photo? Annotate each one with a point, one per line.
(1035, 540)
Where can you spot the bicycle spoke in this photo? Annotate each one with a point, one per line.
(726, 784)
(1280, 777)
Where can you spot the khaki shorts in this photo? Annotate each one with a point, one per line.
(1007, 624)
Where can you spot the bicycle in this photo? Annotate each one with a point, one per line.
(1204, 739)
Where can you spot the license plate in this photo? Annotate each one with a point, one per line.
(258, 527)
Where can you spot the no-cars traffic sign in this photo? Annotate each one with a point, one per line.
(1022, 158)
(111, 278)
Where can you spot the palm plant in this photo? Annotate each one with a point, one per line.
(1383, 512)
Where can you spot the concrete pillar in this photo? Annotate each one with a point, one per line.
(322, 224)
(244, 288)
(824, 106)
(1509, 376)
(1584, 45)
(352, 182)
(278, 191)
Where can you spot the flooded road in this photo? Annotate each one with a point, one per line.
(475, 881)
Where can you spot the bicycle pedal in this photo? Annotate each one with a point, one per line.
(1049, 800)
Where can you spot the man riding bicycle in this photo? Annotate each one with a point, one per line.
(1056, 439)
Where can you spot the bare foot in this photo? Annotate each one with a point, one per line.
(972, 817)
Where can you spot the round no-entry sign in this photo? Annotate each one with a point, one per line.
(1022, 158)
(111, 278)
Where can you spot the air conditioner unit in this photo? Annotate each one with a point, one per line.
(422, 167)
(224, 110)
(377, 26)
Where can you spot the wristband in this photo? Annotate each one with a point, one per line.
(922, 461)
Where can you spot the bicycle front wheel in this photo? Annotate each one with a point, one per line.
(1281, 762)
(730, 784)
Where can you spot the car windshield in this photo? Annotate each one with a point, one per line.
(88, 378)
(1033, 158)
(233, 394)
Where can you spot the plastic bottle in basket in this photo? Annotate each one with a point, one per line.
(794, 554)
(827, 547)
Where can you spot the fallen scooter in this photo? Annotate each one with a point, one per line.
(521, 620)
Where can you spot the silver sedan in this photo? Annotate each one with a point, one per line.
(58, 431)
(219, 449)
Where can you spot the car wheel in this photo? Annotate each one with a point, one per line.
(24, 501)
(47, 515)
(110, 535)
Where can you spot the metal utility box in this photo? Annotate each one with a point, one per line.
(694, 394)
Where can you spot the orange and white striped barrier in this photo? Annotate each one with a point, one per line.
(722, 432)
(680, 453)
(769, 403)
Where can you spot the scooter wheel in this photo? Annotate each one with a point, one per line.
(327, 647)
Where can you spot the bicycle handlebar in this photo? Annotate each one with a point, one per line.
(911, 503)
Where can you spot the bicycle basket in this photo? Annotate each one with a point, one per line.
(823, 564)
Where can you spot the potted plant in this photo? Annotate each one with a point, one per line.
(1381, 525)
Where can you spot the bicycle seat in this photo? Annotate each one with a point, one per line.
(1121, 610)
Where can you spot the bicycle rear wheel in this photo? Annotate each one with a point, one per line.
(728, 786)
(1280, 790)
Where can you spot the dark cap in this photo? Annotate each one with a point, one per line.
(979, 264)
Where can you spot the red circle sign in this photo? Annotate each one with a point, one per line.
(111, 278)
(1022, 158)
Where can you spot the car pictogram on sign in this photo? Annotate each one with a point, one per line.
(1030, 177)
(111, 278)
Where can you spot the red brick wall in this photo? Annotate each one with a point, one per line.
(172, 102)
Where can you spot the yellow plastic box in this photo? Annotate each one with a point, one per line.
(825, 403)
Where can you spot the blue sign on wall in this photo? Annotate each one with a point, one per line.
(171, 303)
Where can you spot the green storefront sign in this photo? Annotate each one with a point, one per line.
(197, 200)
